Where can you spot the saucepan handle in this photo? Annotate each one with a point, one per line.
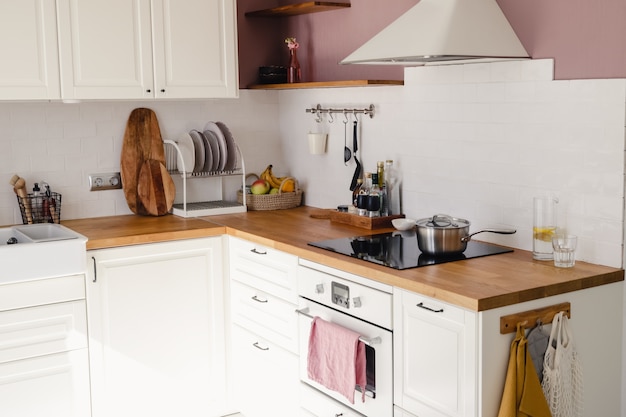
(499, 231)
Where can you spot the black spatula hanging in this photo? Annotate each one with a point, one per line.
(357, 171)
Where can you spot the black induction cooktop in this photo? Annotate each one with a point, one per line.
(399, 250)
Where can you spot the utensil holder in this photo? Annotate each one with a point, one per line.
(40, 209)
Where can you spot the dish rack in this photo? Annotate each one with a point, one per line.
(204, 193)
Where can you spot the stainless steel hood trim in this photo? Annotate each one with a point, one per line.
(443, 31)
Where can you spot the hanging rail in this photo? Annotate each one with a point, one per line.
(319, 110)
(508, 324)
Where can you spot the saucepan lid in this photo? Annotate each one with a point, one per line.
(443, 221)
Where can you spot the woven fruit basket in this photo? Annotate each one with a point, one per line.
(280, 201)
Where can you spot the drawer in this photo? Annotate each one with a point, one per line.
(43, 330)
(43, 291)
(320, 405)
(266, 315)
(426, 306)
(266, 376)
(267, 269)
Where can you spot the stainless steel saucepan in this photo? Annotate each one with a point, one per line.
(445, 235)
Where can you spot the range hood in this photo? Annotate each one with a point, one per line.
(443, 31)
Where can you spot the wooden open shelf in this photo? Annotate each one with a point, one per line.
(325, 84)
(299, 8)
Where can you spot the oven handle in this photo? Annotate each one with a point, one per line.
(368, 341)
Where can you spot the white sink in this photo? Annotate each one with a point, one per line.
(42, 251)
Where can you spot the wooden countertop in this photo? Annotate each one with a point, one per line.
(113, 231)
(477, 284)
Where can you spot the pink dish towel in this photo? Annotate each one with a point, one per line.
(336, 358)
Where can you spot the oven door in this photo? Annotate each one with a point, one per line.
(379, 391)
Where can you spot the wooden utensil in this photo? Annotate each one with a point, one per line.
(143, 142)
(155, 188)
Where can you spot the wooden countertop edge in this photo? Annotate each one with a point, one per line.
(390, 276)
(480, 294)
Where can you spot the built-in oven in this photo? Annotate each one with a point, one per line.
(358, 304)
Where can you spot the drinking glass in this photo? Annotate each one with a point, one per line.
(564, 250)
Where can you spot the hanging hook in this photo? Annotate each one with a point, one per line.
(318, 117)
(331, 118)
(345, 116)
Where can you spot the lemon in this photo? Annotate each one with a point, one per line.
(543, 233)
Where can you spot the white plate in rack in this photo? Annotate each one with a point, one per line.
(215, 150)
(221, 140)
(187, 155)
(231, 160)
(198, 145)
(208, 153)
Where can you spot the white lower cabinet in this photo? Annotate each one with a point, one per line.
(156, 330)
(44, 364)
(266, 376)
(265, 330)
(434, 357)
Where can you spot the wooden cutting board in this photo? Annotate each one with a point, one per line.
(148, 187)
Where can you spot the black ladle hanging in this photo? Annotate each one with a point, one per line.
(357, 171)
(346, 151)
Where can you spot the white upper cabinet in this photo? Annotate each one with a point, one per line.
(195, 48)
(28, 46)
(138, 49)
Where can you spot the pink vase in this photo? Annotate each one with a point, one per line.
(294, 73)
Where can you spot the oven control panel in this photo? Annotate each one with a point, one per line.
(340, 294)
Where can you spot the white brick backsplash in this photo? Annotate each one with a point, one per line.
(480, 141)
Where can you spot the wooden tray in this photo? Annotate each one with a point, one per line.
(362, 221)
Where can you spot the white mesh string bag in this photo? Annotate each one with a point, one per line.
(562, 372)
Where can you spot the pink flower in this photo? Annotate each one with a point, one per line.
(291, 43)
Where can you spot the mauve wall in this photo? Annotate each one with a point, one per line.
(584, 38)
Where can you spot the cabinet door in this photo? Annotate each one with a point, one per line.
(49, 385)
(106, 49)
(195, 48)
(156, 330)
(434, 357)
(266, 376)
(28, 46)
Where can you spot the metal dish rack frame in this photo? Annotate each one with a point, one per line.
(206, 208)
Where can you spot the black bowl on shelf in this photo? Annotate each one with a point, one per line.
(272, 74)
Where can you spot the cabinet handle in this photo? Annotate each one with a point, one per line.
(421, 305)
(95, 270)
(258, 346)
(257, 299)
(148, 91)
(339, 415)
(163, 90)
(258, 252)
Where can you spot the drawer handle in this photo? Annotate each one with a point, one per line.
(258, 346)
(259, 300)
(421, 305)
(258, 252)
(95, 270)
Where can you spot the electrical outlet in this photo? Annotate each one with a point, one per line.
(108, 181)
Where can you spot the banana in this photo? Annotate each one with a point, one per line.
(268, 176)
(272, 179)
(286, 184)
(265, 172)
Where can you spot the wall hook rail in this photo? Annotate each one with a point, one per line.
(508, 324)
(319, 111)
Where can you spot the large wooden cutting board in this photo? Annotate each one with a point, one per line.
(148, 187)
